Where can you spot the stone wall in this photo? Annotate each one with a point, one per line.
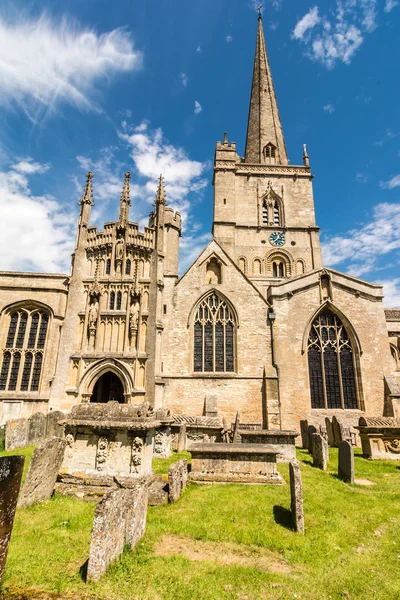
(26, 432)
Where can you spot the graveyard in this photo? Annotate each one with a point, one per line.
(224, 541)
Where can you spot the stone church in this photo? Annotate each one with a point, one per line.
(256, 321)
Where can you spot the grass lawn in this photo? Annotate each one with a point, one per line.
(227, 542)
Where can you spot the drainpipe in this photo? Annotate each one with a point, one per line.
(272, 317)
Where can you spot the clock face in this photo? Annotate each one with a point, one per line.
(277, 238)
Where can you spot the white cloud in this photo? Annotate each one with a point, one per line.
(391, 292)
(273, 25)
(361, 178)
(198, 49)
(37, 234)
(392, 183)
(184, 79)
(390, 5)
(329, 108)
(44, 63)
(309, 21)
(360, 249)
(336, 38)
(389, 135)
(197, 107)
(229, 38)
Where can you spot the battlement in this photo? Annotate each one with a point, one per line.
(172, 218)
(133, 236)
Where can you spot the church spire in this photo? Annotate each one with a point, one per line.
(265, 142)
(124, 202)
(87, 196)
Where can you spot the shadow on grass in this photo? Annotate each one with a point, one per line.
(283, 517)
(83, 570)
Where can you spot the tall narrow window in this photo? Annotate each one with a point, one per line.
(112, 300)
(108, 266)
(277, 219)
(128, 266)
(25, 344)
(119, 301)
(331, 364)
(278, 268)
(265, 213)
(214, 336)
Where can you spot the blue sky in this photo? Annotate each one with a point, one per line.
(150, 86)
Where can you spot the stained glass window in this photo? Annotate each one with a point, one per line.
(26, 373)
(4, 370)
(214, 336)
(331, 364)
(12, 330)
(33, 330)
(36, 372)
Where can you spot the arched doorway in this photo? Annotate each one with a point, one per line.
(108, 388)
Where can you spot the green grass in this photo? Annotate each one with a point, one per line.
(351, 548)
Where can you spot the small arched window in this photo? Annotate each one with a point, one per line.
(270, 152)
(214, 336)
(119, 301)
(277, 216)
(278, 268)
(112, 300)
(25, 343)
(257, 266)
(331, 364)
(108, 266)
(242, 264)
(128, 266)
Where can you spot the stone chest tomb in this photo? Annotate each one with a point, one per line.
(108, 445)
(380, 437)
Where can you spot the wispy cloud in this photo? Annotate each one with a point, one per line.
(391, 291)
(390, 5)
(329, 108)
(229, 38)
(336, 38)
(197, 107)
(45, 63)
(359, 250)
(391, 183)
(184, 79)
(37, 233)
(198, 49)
(389, 135)
(361, 178)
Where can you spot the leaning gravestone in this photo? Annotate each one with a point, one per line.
(235, 435)
(119, 519)
(311, 431)
(16, 434)
(211, 405)
(329, 431)
(304, 433)
(36, 428)
(11, 468)
(182, 437)
(177, 479)
(296, 496)
(346, 462)
(53, 429)
(42, 473)
(337, 432)
(320, 451)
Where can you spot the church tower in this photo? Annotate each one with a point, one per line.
(263, 207)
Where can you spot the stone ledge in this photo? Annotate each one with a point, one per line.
(271, 478)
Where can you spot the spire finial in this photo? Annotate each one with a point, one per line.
(306, 158)
(225, 139)
(125, 202)
(160, 197)
(87, 196)
(259, 9)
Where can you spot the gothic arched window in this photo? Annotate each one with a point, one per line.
(112, 300)
(119, 301)
(128, 266)
(331, 364)
(23, 354)
(277, 216)
(214, 336)
(108, 266)
(270, 152)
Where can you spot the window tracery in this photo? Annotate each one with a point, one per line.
(128, 266)
(214, 336)
(24, 349)
(108, 266)
(112, 300)
(331, 364)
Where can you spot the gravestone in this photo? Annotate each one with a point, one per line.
(119, 520)
(304, 433)
(329, 431)
(42, 473)
(235, 435)
(320, 451)
(337, 432)
(16, 434)
(346, 462)
(11, 468)
(162, 442)
(296, 496)
(36, 428)
(182, 437)
(211, 405)
(177, 479)
(53, 429)
(311, 431)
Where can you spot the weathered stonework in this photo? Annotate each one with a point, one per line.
(36, 428)
(282, 441)
(42, 472)
(320, 452)
(234, 463)
(296, 496)
(11, 468)
(162, 442)
(380, 437)
(346, 462)
(53, 426)
(119, 520)
(16, 434)
(177, 479)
